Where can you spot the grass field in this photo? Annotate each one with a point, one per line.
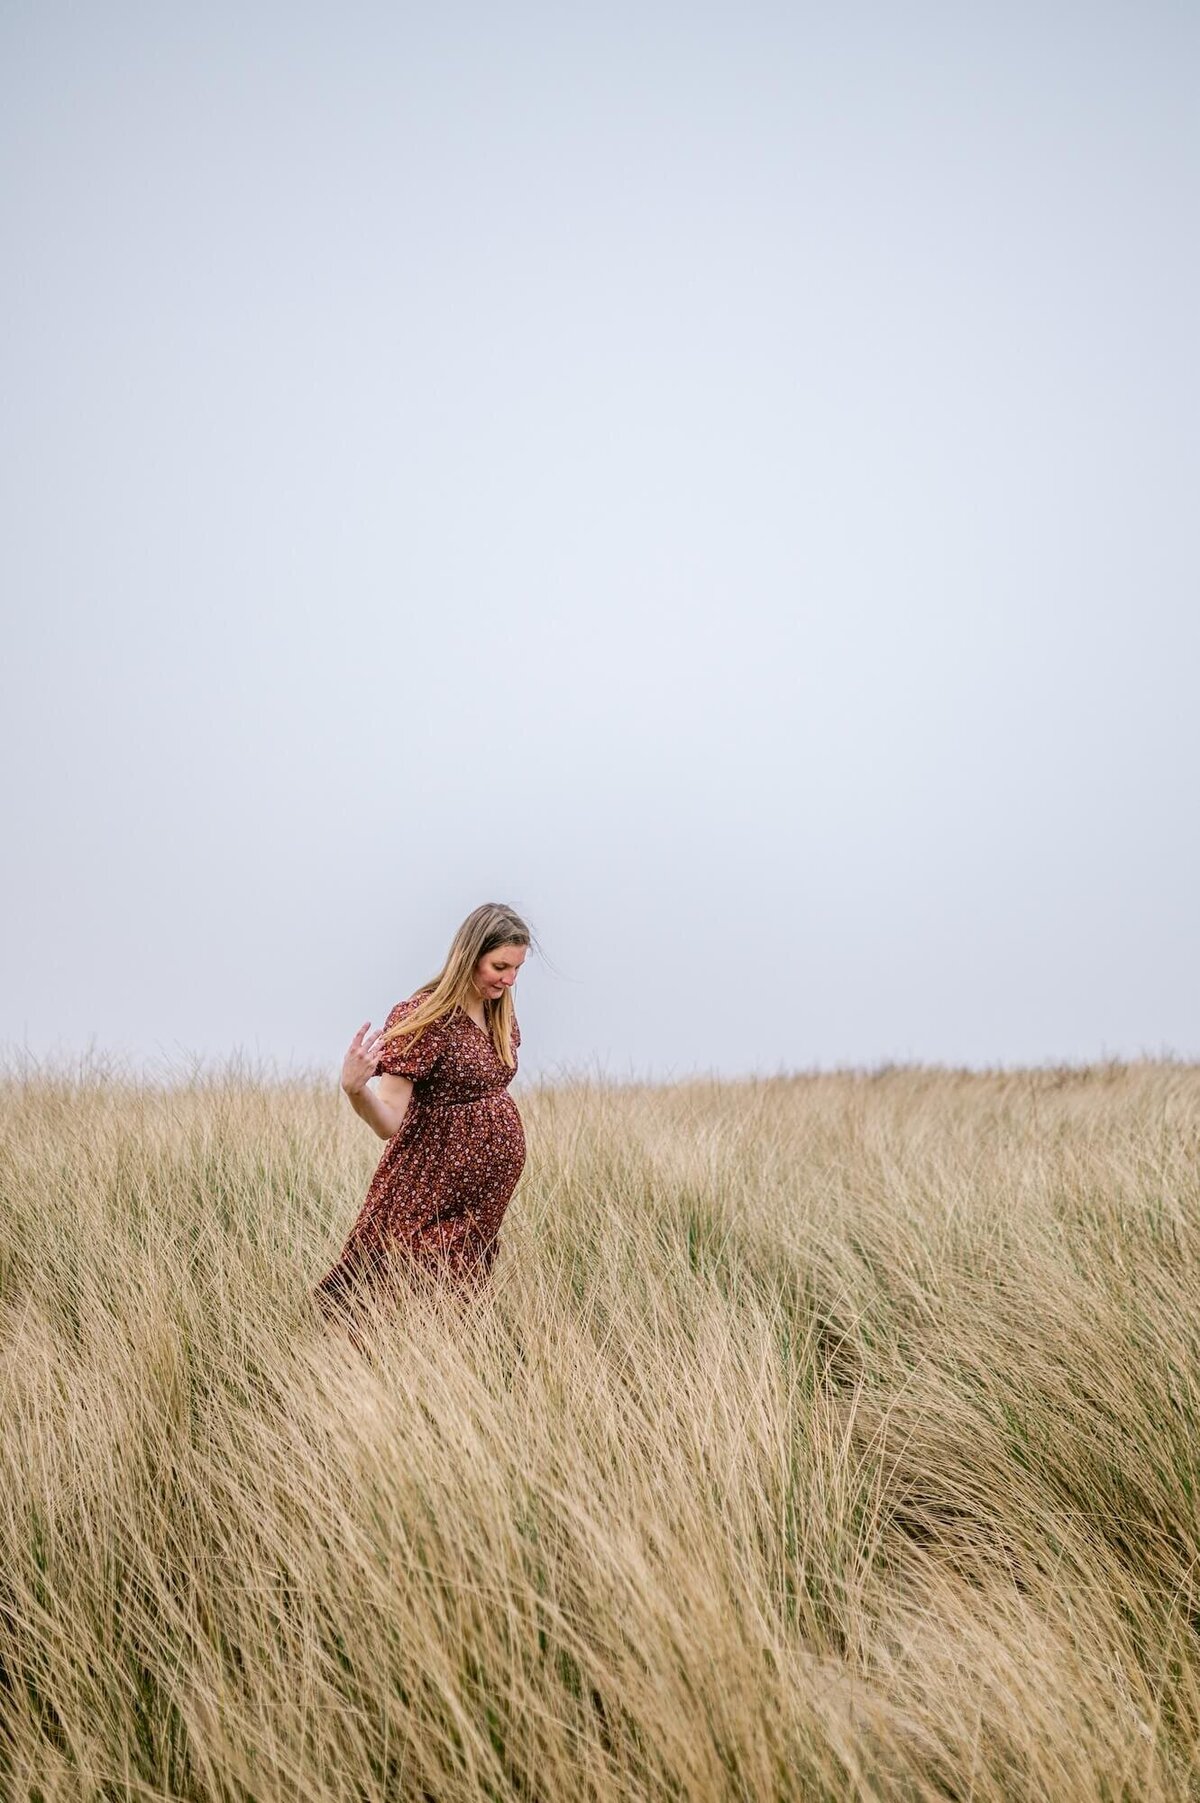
(826, 1437)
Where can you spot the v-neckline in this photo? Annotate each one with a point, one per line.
(476, 1025)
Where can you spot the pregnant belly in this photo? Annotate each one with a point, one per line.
(448, 1169)
(494, 1139)
(464, 1150)
(483, 1153)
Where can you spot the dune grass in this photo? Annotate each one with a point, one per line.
(824, 1437)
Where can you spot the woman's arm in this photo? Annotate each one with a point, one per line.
(382, 1109)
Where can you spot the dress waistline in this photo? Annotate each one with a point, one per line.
(462, 1101)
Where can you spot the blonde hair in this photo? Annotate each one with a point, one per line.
(485, 928)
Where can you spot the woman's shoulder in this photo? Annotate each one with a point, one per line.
(408, 1006)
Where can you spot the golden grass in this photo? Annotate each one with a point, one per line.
(825, 1437)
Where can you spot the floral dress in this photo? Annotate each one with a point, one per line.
(439, 1192)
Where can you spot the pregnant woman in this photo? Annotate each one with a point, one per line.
(455, 1143)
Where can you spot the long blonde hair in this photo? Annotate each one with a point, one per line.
(486, 927)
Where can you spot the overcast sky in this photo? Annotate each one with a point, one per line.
(719, 478)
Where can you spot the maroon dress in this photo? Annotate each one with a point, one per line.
(439, 1192)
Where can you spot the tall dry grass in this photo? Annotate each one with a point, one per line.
(825, 1437)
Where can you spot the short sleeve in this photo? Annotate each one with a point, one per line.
(516, 1034)
(403, 1058)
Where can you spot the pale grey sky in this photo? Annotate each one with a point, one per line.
(719, 478)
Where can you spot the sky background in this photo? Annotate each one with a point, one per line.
(720, 479)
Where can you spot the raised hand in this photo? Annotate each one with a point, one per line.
(362, 1055)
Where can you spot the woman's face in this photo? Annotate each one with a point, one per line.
(497, 970)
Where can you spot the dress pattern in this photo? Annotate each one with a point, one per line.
(435, 1203)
